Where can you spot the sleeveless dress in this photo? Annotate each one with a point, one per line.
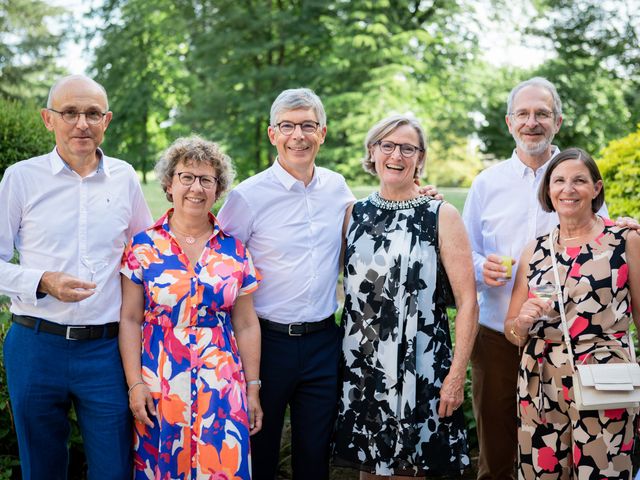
(397, 346)
(554, 439)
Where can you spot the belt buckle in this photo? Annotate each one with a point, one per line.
(292, 333)
(69, 329)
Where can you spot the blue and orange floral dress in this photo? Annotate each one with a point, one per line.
(189, 356)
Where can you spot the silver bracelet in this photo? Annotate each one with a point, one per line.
(255, 382)
(134, 386)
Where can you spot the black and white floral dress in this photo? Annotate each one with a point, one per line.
(397, 347)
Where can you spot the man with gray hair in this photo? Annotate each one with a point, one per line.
(290, 217)
(502, 215)
(69, 214)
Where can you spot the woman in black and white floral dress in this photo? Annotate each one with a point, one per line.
(403, 384)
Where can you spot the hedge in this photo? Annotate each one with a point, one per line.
(619, 165)
(22, 133)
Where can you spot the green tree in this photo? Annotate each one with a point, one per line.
(366, 59)
(595, 66)
(619, 165)
(403, 56)
(28, 48)
(581, 32)
(594, 107)
(242, 54)
(22, 133)
(140, 62)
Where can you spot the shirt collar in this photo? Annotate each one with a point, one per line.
(58, 164)
(521, 169)
(163, 224)
(287, 180)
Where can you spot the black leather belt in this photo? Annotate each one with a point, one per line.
(70, 332)
(297, 329)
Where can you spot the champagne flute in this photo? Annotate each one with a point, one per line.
(94, 265)
(546, 291)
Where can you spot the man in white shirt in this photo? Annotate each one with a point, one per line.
(69, 215)
(502, 215)
(290, 217)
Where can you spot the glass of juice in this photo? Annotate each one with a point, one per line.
(507, 261)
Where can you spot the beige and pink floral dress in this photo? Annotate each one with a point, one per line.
(556, 441)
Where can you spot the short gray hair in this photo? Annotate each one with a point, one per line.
(536, 82)
(384, 128)
(298, 98)
(194, 149)
(68, 78)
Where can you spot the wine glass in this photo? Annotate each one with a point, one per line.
(546, 291)
(94, 265)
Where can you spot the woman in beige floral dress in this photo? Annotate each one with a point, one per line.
(599, 269)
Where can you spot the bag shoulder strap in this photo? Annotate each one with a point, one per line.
(560, 294)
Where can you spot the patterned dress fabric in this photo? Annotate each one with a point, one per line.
(397, 346)
(190, 358)
(556, 441)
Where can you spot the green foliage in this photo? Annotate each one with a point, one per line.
(455, 166)
(28, 48)
(497, 142)
(183, 66)
(241, 66)
(22, 133)
(140, 63)
(581, 32)
(595, 66)
(594, 107)
(399, 57)
(619, 165)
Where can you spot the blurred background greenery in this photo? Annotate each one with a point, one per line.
(213, 67)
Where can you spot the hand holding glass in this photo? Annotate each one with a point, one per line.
(546, 291)
(94, 265)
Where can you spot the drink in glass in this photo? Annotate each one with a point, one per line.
(546, 291)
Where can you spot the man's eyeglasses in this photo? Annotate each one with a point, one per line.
(406, 149)
(206, 181)
(307, 127)
(522, 116)
(93, 117)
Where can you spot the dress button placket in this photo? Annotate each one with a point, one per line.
(193, 341)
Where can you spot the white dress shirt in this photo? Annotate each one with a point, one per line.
(502, 214)
(294, 234)
(60, 221)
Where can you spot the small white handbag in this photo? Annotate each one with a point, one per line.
(606, 386)
(600, 386)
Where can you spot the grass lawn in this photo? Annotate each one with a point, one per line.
(159, 204)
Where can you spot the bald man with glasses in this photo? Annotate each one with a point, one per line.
(69, 214)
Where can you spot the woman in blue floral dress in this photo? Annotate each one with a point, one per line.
(189, 337)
